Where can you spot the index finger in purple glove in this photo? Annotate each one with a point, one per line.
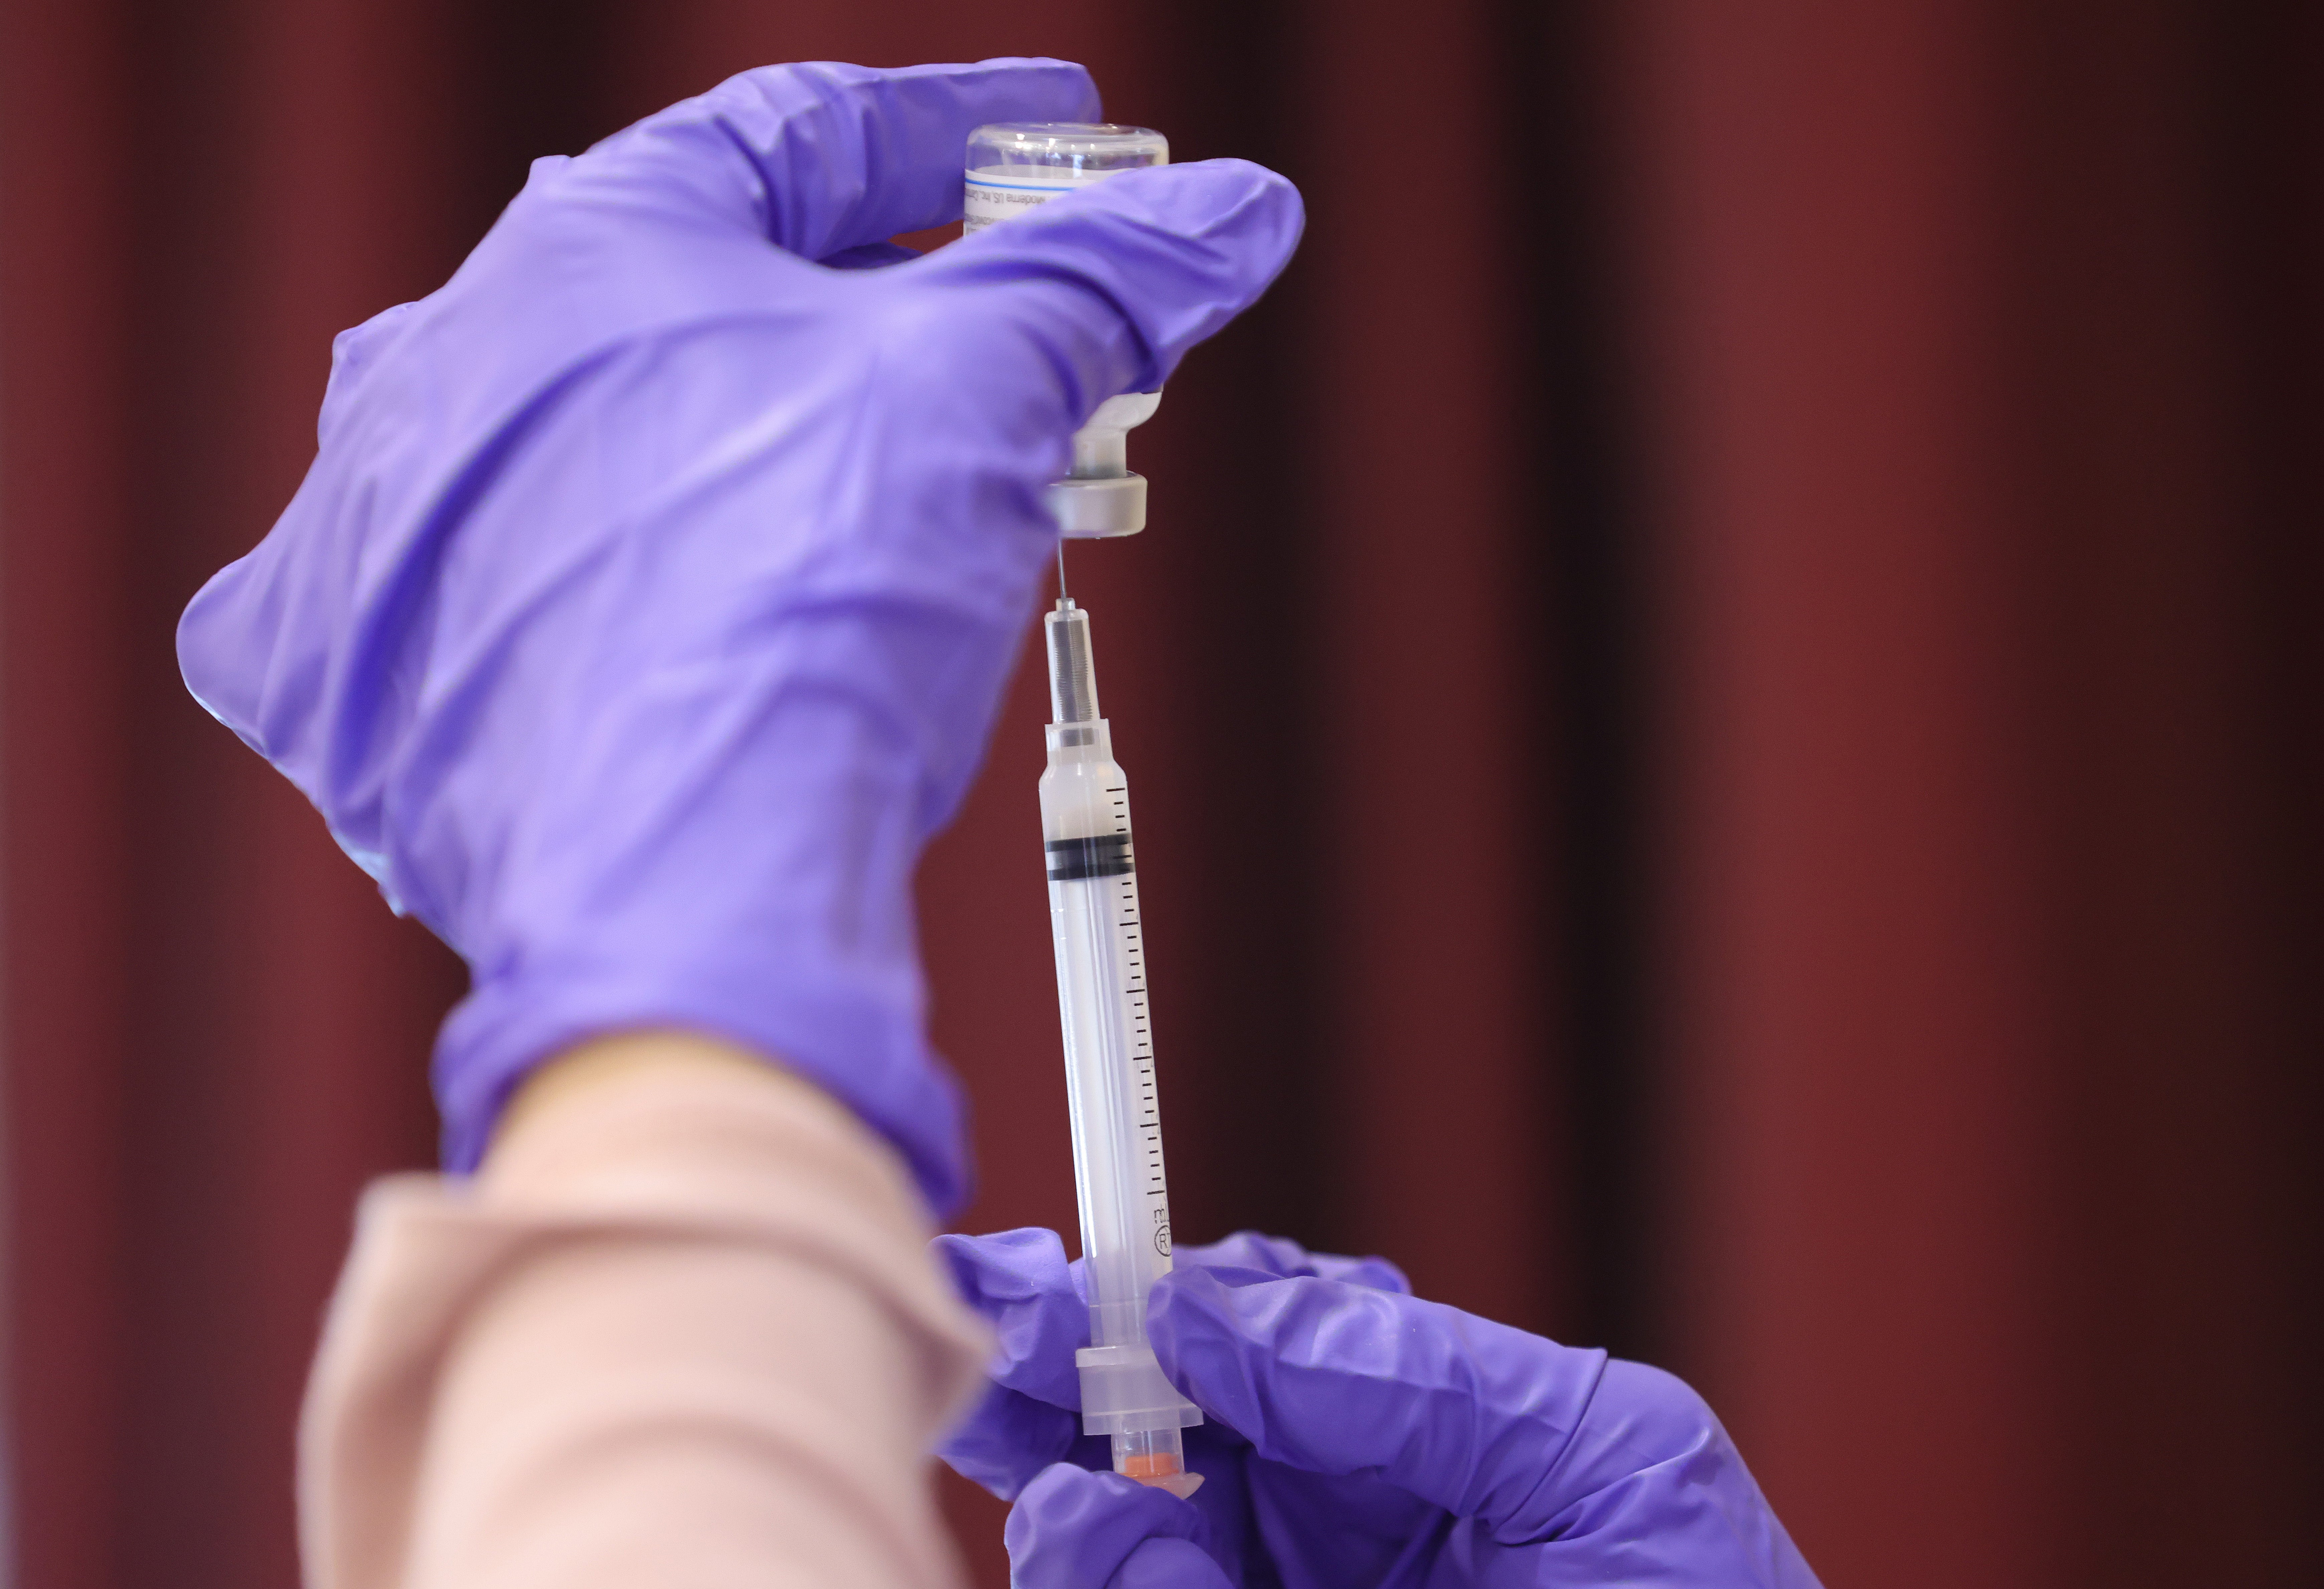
(1021, 1282)
(1133, 242)
(820, 156)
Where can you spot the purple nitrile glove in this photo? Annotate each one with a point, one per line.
(648, 601)
(1356, 1435)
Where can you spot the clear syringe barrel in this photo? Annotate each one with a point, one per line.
(1110, 1082)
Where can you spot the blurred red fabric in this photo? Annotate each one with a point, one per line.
(1771, 552)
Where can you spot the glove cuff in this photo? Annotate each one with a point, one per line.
(859, 1040)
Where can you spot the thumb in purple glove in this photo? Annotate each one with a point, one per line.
(1076, 1530)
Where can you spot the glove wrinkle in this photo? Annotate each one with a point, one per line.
(1528, 1521)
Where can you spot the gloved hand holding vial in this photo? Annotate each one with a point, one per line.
(645, 610)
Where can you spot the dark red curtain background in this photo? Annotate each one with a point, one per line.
(1770, 549)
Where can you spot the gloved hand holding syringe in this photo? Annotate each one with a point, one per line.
(1093, 912)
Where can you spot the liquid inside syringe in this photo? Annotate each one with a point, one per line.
(1110, 1086)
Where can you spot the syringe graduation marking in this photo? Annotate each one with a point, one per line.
(1142, 1044)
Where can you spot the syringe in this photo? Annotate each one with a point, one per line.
(1117, 1119)
(1109, 1084)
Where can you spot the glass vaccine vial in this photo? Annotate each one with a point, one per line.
(1013, 166)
